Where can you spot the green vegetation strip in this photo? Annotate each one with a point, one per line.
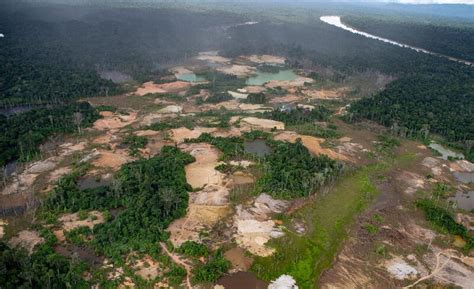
(305, 257)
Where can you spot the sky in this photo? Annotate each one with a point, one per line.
(427, 1)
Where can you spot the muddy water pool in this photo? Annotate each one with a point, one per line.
(258, 147)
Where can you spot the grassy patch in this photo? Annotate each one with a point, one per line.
(305, 257)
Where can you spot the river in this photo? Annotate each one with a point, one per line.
(336, 21)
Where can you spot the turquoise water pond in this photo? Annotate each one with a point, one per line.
(260, 78)
(190, 77)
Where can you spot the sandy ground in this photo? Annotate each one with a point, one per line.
(324, 93)
(171, 87)
(3, 224)
(235, 105)
(238, 259)
(27, 240)
(114, 121)
(233, 131)
(24, 181)
(263, 124)
(358, 266)
(238, 95)
(202, 172)
(212, 57)
(171, 109)
(462, 166)
(313, 144)
(146, 267)
(237, 70)
(72, 221)
(252, 89)
(111, 159)
(286, 98)
(254, 226)
(178, 135)
(435, 165)
(265, 59)
(241, 178)
(147, 133)
(400, 269)
(211, 195)
(55, 175)
(106, 138)
(410, 182)
(152, 118)
(289, 84)
(197, 219)
(352, 151)
(447, 267)
(208, 205)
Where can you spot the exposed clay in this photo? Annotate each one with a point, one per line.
(254, 228)
(286, 84)
(72, 221)
(260, 123)
(114, 121)
(206, 206)
(178, 135)
(237, 70)
(313, 144)
(111, 159)
(267, 59)
(411, 182)
(27, 239)
(170, 87)
(3, 224)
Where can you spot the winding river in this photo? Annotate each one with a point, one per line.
(336, 21)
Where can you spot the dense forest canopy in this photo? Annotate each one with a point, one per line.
(447, 40)
(21, 134)
(58, 54)
(53, 53)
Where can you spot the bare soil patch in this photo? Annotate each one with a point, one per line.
(253, 89)
(198, 218)
(261, 123)
(286, 98)
(289, 84)
(178, 135)
(115, 121)
(111, 159)
(146, 268)
(254, 226)
(212, 57)
(265, 59)
(171, 109)
(202, 172)
(27, 239)
(170, 87)
(3, 224)
(239, 260)
(313, 144)
(72, 221)
(324, 93)
(237, 70)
